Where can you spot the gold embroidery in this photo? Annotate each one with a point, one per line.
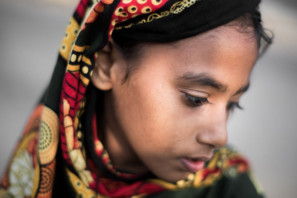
(176, 8)
(157, 16)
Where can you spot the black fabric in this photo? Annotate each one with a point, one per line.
(61, 187)
(200, 17)
(227, 187)
(51, 97)
(95, 34)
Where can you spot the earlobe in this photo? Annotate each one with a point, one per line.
(101, 77)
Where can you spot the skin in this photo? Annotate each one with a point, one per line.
(160, 116)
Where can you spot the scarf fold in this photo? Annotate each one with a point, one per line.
(56, 124)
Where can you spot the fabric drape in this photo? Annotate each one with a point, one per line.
(60, 154)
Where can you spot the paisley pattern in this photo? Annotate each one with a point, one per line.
(55, 125)
(176, 8)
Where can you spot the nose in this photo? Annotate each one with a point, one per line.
(214, 129)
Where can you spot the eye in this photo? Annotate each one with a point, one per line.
(232, 105)
(196, 101)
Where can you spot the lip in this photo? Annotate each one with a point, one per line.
(193, 164)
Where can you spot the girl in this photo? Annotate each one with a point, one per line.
(138, 103)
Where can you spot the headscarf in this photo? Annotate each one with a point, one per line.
(60, 153)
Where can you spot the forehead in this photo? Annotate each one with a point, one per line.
(224, 53)
(217, 45)
(229, 35)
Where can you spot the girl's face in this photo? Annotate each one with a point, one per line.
(171, 113)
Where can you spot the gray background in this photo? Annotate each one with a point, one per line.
(266, 131)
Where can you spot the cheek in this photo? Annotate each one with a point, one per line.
(150, 112)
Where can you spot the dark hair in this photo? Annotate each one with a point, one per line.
(131, 50)
(263, 36)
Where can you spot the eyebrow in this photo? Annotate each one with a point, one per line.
(203, 79)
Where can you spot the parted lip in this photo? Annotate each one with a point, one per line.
(194, 164)
(204, 158)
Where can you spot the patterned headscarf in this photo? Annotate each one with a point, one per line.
(53, 149)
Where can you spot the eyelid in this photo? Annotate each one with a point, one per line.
(195, 101)
(196, 93)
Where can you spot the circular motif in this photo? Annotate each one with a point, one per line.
(141, 1)
(132, 9)
(46, 180)
(78, 183)
(126, 1)
(146, 10)
(48, 136)
(156, 2)
(63, 47)
(45, 136)
(75, 31)
(123, 14)
(190, 3)
(120, 12)
(73, 57)
(85, 69)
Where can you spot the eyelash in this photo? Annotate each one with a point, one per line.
(232, 105)
(196, 101)
(199, 101)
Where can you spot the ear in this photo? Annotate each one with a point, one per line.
(101, 77)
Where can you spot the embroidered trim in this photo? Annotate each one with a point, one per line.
(176, 8)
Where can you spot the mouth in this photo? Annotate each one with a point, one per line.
(193, 164)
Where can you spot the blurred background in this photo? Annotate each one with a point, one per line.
(266, 131)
